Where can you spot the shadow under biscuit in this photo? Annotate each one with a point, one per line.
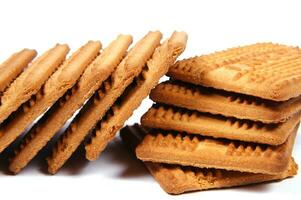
(75, 165)
(115, 161)
(117, 153)
(8, 153)
(4, 161)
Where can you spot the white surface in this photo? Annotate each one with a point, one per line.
(211, 25)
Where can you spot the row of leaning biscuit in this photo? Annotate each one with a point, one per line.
(225, 119)
(105, 86)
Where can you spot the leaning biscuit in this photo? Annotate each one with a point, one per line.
(31, 80)
(90, 80)
(197, 151)
(265, 70)
(229, 104)
(103, 99)
(61, 80)
(157, 66)
(14, 65)
(176, 179)
(172, 118)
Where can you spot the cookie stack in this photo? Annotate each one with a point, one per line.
(106, 86)
(225, 119)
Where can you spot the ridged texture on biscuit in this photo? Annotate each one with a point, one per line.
(225, 103)
(31, 80)
(14, 65)
(176, 179)
(265, 70)
(157, 66)
(217, 126)
(103, 99)
(55, 87)
(197, 151)
(90, 81)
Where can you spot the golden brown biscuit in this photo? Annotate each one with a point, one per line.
(90, 81)
(265, 70)
(157, 66)
(14, 65)
(176, 179)
(197, 151)
(58, 83)
(31, 80)
(225, 103)
(172, 118)
(103, 99)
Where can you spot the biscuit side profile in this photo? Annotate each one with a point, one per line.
(73, 99)
(103, 99)
(55, 87)
(228, 104)
(198, 151)
(164, 56)
(30, 81)
(168, 117)
(176, 179)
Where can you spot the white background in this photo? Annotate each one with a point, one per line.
(211, 25)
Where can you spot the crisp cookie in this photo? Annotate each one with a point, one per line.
(31, 80)
(176, 179)
(265, 70)
(103, 99)
(14, 65)
(156, 67)
(58, 83)
(55, 87)
(172, 118)
(229, 104)
(90, 81)
(198, 151)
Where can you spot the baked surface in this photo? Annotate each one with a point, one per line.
(228, 104)
(176, 179)
(266, 70)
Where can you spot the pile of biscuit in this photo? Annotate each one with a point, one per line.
(39, 96)
(225, 119)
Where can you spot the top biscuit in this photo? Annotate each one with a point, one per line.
(266, 70)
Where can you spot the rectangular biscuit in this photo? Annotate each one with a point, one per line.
(157, 67)
(179, 119)
(103, 99)
(31, 80)
(176, 179)
(61, 81)
(58, 83)
(194, 150)
(228, 104)
(266, 70)
(52, 122)
(14, 65)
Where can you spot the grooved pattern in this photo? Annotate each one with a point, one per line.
(266, 70)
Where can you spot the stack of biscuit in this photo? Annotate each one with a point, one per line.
(105, 86)
(225, 119)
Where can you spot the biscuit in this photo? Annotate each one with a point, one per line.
(14, 65)
(157, 67)
(225, 103)
(172, 118)
(90, 81)
(103, 99)
(55, 87)
(31, 80)
(198, 151)
(60, 81)
(176, 179)
(265, 70)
